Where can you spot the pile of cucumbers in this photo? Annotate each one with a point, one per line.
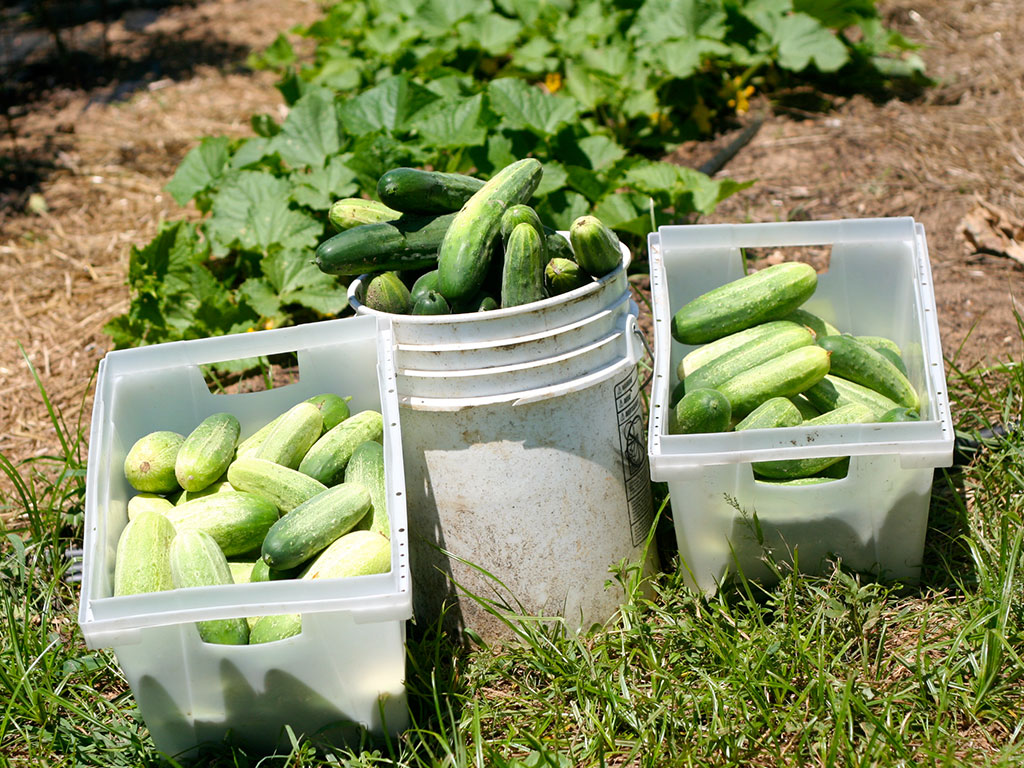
(763, 361)
(440, 243)
(303, 497)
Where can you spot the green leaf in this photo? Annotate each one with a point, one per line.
(587, 182)
(526, 106)
(455, 123)
(251, 212)
(320, 187)
(553, 178)
(291, 277)
(492, 33)
(309, 134)
(802, 40)
(278, 55)
(684, 58)
(659, 20)
(838, 14)
(390, 106)
(537, 55)
(601, 151)
(560, 209)
(438, 17)
(203, 166)
(250, 152)
(340, 72)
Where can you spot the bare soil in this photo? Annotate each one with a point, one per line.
(89, 146)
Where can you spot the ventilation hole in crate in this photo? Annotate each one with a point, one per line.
(251, 374)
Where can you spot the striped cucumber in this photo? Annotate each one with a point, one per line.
(142, 560)
(333, 408)
(359, 553)
(522, 277)
(149, 465)
(787, 337)
(465, 251)
(519, 214)
(563, 275)
(292, 436)
(197, 561)
(414, 190)
(410, 242)
(859, 363)
(327, 459)
(352, 212)
(819, 325)
(787, 469)
(596, 247)
(207, 451)
(773, 413)
(282, 486)
(236, 520)
(786, 375)
(270, 629)
(702, 411)
(148, 501)
(314, 524)
(706, 353)
(387, 293)
(834, 392)
(770, 294)
(887, 348)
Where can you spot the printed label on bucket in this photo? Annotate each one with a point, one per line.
(634, 452)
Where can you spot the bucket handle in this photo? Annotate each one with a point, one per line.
(647, 347)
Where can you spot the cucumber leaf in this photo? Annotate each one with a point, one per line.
(526, 106)
(390, 106)
(309, 135)
(201, 168)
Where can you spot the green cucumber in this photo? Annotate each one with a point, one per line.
(236, 520)
(197, 561)
(207, 451)
(806, 408)
(431, 303)
(352, 212)
(387, 293)
(785, 375)
(149, 465)
(563, 275)
(788, 336)
(833, 392)
(820, 326)
(596, 247)
(366, 467)
(270, 629)
(466, 249)
(148, 501)
(859, 363)
(522, 278)
(333, 408)
(424, 283)
(480, 302)
(283, 487)
(900, 414)
(787, 469)
(706, 353)
(220, 485)
(887, 348)
(410, 242)
(412, 190)
(262, 572)
(142, 560)
(314, 524)
(358, 553)
(327, 459)
(292, 435)
(769, 294)
(241, 570)
(773, 413)
(797, 481)
(519, 214)
(702, 411)
(558, 245)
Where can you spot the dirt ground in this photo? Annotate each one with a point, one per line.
(85, 157)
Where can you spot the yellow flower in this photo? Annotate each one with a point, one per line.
(553, 81)
(701, 115)
(269, 325)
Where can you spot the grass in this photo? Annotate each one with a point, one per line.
(829, 670)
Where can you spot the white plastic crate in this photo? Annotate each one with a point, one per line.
(346, 669)
(879, 283)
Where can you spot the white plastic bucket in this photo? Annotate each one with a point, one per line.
(527, 476)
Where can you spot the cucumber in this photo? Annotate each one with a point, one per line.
(412, 190)
(787, 469)
(558, 245)
(148, 501)
(676, 394)
(142, 560)
(293, 434)
(522, 278)
(410, 242)
(480, 302)
(207, 451)
(333, 408)
(359, 553)
(519, 214)
(263, 572)
(314, 524)
(387, 293)
(817, 324)
(700, 411)
(431, 303)
(270, 629)
(769, 294)
(861, 364)
(563, 275)
(900, 414)
(596, 247)
(787, 337)
(283, 487)
(149, 465)
(887, 348)
(241, 570)
(236, 520)
(706, 353)
(786, 375)
(424, 283)
(366, 467)
(197, 561)
(465, 251)
(812, 480)
(220, 485)
(327, 459)
(352, 212)
(773, 413)
(834, 392)
(806, 408)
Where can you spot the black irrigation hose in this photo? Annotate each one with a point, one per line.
(966, 446)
